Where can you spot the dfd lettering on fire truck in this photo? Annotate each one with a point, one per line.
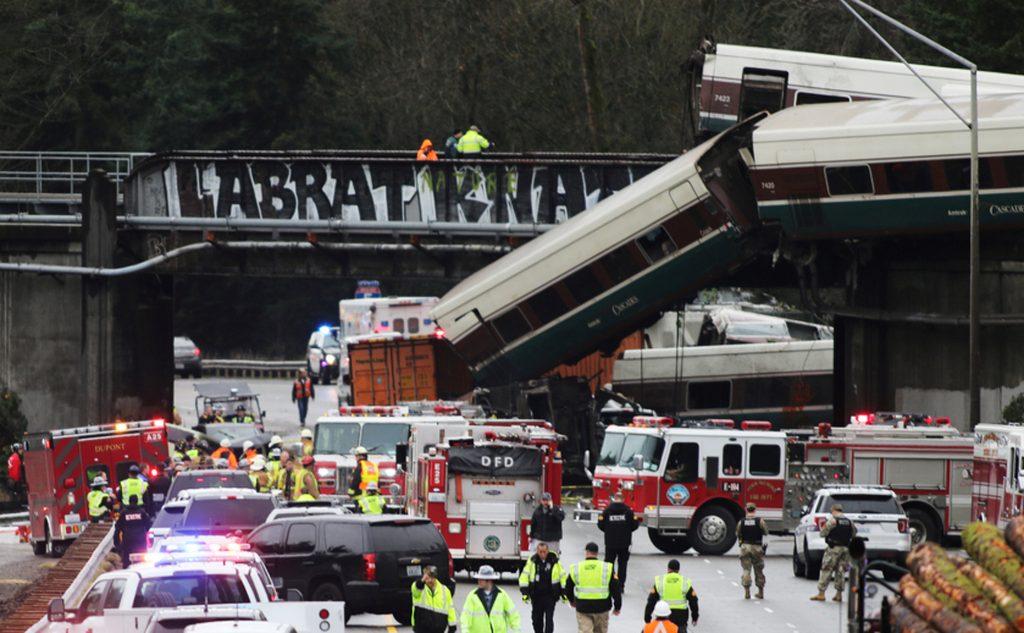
(998, 472)
(481, 490)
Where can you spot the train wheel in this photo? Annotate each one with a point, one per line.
(713, 532)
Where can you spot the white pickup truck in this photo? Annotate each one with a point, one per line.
(126, 601)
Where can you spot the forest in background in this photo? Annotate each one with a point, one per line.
(569, 75)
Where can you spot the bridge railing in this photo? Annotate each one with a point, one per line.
(34, 177)
(342, 190)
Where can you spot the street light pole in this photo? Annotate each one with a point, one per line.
(973, 341)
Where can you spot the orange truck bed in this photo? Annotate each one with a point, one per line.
(387, 371)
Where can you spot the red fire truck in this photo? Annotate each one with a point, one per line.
(61, 464)
(378, 429)
(691, 480)
(998, 472)
(481, 490)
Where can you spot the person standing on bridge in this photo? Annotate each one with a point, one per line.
(130, 530)
(593, 590)
(306, 440)
(838, 532)
(677, 591)
(225, 453)
(426, 153)
(661, 622)
(451, 146)
(751, 532)
(133, 486)
(618, 523)
(472, 143)
(364, 473)
(302, 391)
(546, 524)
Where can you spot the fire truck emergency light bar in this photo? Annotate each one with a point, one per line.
(899, 420)
(368, 411)
(645, 421)
(116, 427)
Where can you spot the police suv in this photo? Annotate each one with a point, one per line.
(874, 510)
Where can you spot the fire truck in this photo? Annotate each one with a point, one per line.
(379, 429)
(481, 490)
(691, 480)
(924, 460)
(63, 463)
(998, 472)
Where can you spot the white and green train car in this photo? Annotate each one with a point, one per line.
(608, 271)
(789, 384)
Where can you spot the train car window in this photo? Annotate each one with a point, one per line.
(413, 325)
(683, 228)
(621, 264)
(762, 90)
(479, 344)
(849, 180)
(583, 285)
(547, 305)
(913, 177)
(807, 98)
(399, 325)
(511, 325)
(1014, 170)
(656, 244)
(683, 460)
(765, 460)
(732, 460)
(958, 174)
(714, 394)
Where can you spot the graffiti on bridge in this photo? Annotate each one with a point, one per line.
(387, 190)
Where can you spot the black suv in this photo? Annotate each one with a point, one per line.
(368, 561)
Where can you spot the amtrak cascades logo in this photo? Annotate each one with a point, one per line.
(492, 543)
(677, 494)
(1006, 209)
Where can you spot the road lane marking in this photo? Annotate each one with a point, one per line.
(734, 583)
(790, 625)
(766, 608)
(707, 561)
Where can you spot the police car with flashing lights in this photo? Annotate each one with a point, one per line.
(126, 600)
(324, 355)
(874, 510)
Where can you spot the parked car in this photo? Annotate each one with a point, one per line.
(169, 516)
(876, 512)
(196, 479)
(188, 358)
(324, 355)
(212, 512)
(367, 561)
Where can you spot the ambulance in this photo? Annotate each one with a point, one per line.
(998, 472)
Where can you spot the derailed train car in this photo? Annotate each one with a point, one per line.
(609, 271)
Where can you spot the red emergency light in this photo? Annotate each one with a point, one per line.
(755, 425)
(440, 333)
(195, 351)
(863, 418)
(648, 421)
(159, 423)
(723, 423)
(824, 429)
(446, 409)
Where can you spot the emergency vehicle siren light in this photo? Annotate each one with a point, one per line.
(755, 425)
(722, 423)
(440, 333)
(121, 427)
(647, 421)
(824, 429)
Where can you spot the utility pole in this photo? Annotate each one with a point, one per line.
(973, 330)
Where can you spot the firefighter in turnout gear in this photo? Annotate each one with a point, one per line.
(541, 585)
(837, 532)
(371, 502)
(433, 610)
(99, 501)
(751, 533)
(133, 486)
(677, 591)
(592, 588)
(364, 472)
(488, 609)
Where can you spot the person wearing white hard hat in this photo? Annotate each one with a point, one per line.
(371, 502)
(661, 622)
(274, 462)
(488, 609)
(249, 450)
(275, 441)
(259, 477)
(364, 472)
(99, 501)
(307, 442)
(225, 452)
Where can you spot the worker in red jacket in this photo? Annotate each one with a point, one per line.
(16, 472)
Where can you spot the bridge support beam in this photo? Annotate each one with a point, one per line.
(99, 241)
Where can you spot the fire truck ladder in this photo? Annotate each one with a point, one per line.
(84, 554)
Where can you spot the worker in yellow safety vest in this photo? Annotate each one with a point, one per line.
(133, 485)
(307, 442)
(371, 502)
(433, 610)
(259, 477)
(472, 142)
(99, 501)
(677, 591)
(364, 472)
(593, 590)
(307, 488)
(488, 609)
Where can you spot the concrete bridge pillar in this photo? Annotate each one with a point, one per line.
(99, 240)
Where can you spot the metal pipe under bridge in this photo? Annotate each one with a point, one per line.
(358, 191)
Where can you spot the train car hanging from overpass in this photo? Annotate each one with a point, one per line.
(603, 274)
(888, 167)
(729, 83)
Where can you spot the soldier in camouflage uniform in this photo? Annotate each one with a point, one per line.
(751, 532)
(837, 532)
